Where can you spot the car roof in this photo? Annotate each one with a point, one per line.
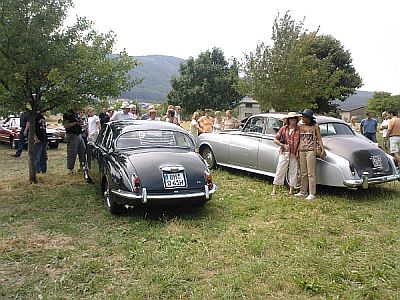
(320, 118)
(131, 125)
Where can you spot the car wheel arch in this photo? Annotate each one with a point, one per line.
(208, 155)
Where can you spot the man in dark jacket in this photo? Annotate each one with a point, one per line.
(40, 145)
(73, 137)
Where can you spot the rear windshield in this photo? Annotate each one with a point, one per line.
(335, 129)
(154, 138)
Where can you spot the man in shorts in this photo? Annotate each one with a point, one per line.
(394, 135)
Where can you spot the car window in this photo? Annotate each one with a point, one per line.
(14, 123)
(154, 138)
(335, 129)
(273, 125)
(255, 124)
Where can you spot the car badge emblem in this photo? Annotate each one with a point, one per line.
(376, 161)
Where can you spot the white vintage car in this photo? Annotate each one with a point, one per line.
(351, 161)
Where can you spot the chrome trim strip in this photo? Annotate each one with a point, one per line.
(247, 169)
(359, 182)
(145, 196)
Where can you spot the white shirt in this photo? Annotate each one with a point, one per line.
(385, 122)
(121, 116)
(93, 125)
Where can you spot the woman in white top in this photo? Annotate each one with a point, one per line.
(93, 124)
(194, 125)
(217, 126)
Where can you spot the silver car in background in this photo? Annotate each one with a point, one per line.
(351, 161)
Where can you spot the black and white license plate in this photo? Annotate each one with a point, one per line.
(173, 180)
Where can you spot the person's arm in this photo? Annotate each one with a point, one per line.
(319, 139)
(27, 128)
(362, 127)
(236, 123)
(278, 137)
(69, 125)
(98, 125)
(390, 128)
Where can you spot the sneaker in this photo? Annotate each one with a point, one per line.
(300, 194)
(310, 197)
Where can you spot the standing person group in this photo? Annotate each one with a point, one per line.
(299, 142)
(207, 123)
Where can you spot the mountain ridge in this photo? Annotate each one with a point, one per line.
(157, 70)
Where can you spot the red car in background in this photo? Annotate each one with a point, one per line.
(9, 133)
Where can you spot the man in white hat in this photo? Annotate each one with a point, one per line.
(125, 114)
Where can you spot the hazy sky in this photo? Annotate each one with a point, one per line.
(370, 30)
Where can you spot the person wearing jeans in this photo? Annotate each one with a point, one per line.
(309, 136)
(40, 145)
(75, 143)
(24, 123)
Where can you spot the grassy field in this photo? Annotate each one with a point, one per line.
(57, 241)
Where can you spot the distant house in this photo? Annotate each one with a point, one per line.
(348, 111)
(354, 105)
(248, 107)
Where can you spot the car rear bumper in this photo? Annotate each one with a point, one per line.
(145, 197)
(364, 182)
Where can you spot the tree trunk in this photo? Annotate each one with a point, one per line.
(31, 140)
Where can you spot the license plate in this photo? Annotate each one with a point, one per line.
(376, 161)
(173, 180)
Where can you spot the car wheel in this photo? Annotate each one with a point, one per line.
(209, 158)
(112, 206)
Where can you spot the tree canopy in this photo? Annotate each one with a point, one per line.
(50, 65)
(383, 101)
(209, 81)
(301, 69)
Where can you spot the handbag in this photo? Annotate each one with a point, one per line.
(317, 148)
(282, 138)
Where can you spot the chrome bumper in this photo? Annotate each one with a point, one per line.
(144, 196)
(364, 182)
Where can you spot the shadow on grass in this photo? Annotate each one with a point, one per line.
(166, 213)
(372, 194)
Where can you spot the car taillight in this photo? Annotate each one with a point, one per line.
(136, 183)
(208, 178)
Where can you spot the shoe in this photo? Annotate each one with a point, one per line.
(300, 194)
(273, 194)
(14, 155)
(310, 197)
